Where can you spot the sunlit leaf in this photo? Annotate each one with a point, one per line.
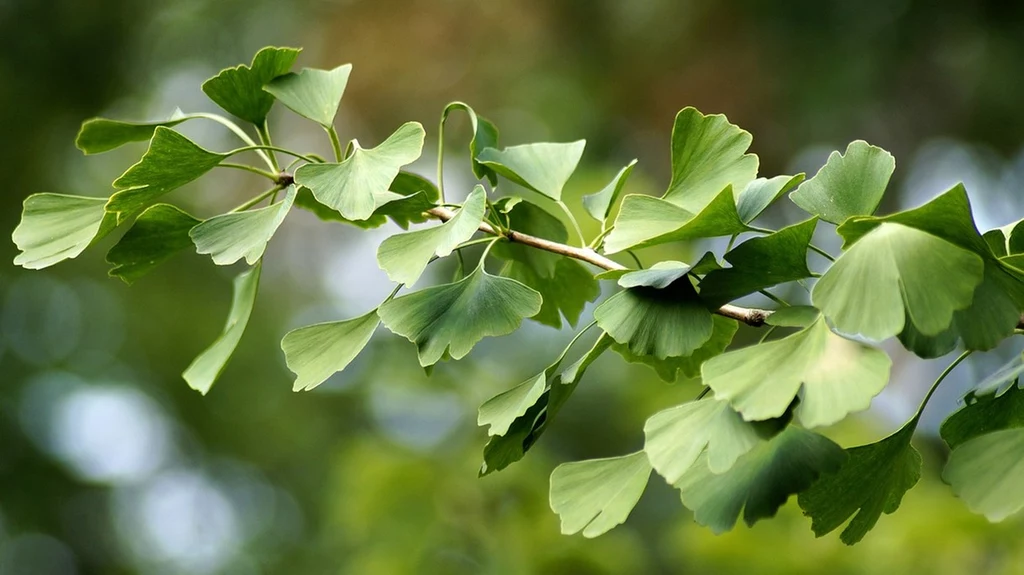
(313, 94)
(850, 184)
(872, 481)
(352, 186)
(171, 162)
(793, 316)
(405, 203)
(405, 256)
(453, 317)
(233, 236)
(316, 352)
(659, 276)
(56, 227)
(485, 135)
(760, 481)
(708, 155)
(100, 135)
(158, 233)
(543, 167)
(832, 375)
(895, 272)
(205, 369)
(599, 205)
(594, 496)
(761, 193)
(986, 472)
(239, 90)
(722, 332)
(501, 411)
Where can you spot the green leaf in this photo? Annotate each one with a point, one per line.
(793, 316)
(594, 496)
(669, 322)
(706, 264)
(351, 187)
(833, 376)
(871, 482)
(986, 411)
(56, 227)
(205, 369)
(316, 352)
(761, 193)
(565, 293)
(452, 318)
(676, 437)
(485, 135)
(895, 272)
(236, 235)
(645, 221)
(99, 135)
(405, 256)
(239, 90)
(987, 472)
(157, 234)
(851, 184)
(313, 94)
(599, 205)
(659, 276)
(405, 203)
(171, 161)
(501, 411)
(543, 167)
(722, 332)
(708, 154)
(759, 263)
(759, 482)
(533, 220)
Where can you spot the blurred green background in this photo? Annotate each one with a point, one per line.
(110, 464)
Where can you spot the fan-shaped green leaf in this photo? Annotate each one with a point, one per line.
(56, 227)
(793, 316)
(708, 154)
(157, 234)
(988, 409)
(543, 167)
(722, 332)
(316, 352)
(895, 272)
(600, 204)
(313, 94)
(565, 293)
(239, 90)
(453, 317)
(872, 481)
(171, 161)
(987, 472)
(405, 203)
(485, 135)
(352, 186)
(761, 193)
(760, 481)
(594, 496)
(833, 376)
(205, 369)
(99, 135)
(851, 184)
(659, 276)
(501, 411)
(233, 236)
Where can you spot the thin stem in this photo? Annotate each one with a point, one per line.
(271, 148)
(573, 341)
(575, 224)
(440, 155)
(477, 241)
(941, 377)
(821, 252)
(252, 202)
(636, 259)
(732, 240)
(236, 130)
(494, 214)
(393, 293)
(335, 143)
(461, 270)
(248, 168)
(292, 164)
(487, 250)
(702, 393)
(600, 237)
(264, 133)
(772, 297)
(767, 333)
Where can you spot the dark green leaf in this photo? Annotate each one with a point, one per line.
(239, 90)
(543, 167)
(157, 234)
(56, 227)
(565, 293)
(533, 220)
(851, 184)
(316, 352)
(594, 496)
(985, 413)
(600, 205)
(313, 94)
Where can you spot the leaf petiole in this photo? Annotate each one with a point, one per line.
(248, 168)
(335, 143)
(252, 202)
(572, 219)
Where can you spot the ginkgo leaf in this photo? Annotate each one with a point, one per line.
(56, 227)
(850, 184)
(565, 293)
(316, 352)
(409, 196)
(239, 90)
(761, 193)
(351, 186)
(676, 437)
(157, 234)
(533, 220)
(171, 161)
(599, 205)
(485, 135)
(895, 272)
(669, 322)
(645, 221)
(313, 94)
(99, 135)
(722, 332)
(405, 256)
(708, 155)
(543, 167)
(236, 235)
(989, 408)
(872, 481)
(759, 263)
(986, 473)
(793, 316)
(207, 367)
(594, 496)
(501, 411)
(659, 276)
(760, 481)
(452, 318)
(832, 375)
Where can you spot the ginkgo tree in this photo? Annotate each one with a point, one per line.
(742, 447)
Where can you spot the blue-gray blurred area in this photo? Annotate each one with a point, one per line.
(109, 464)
